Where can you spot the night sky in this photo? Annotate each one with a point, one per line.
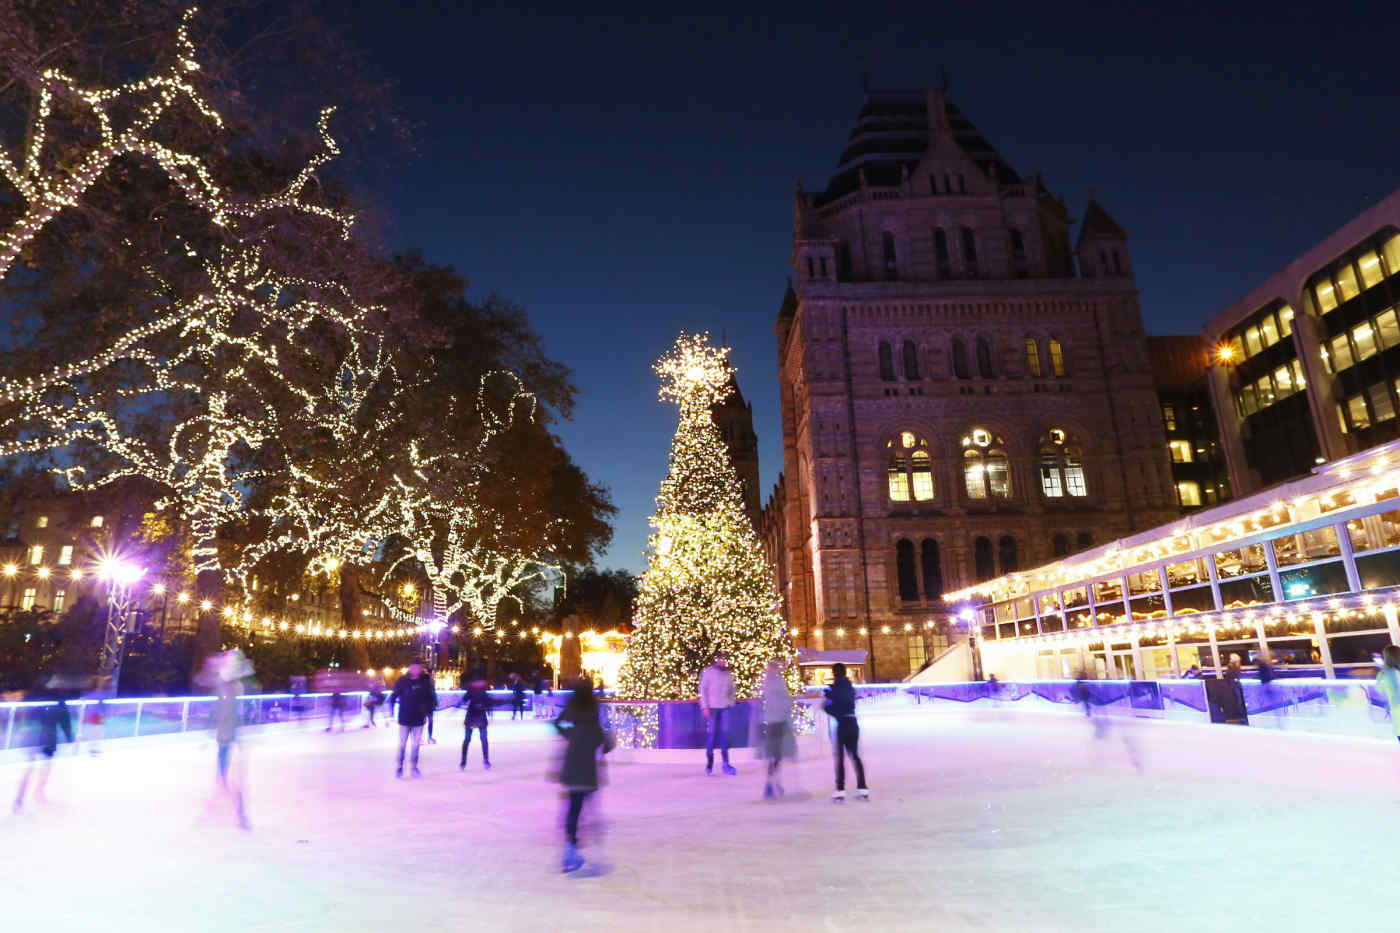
(625, 173)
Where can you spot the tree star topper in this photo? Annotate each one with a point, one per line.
(695, 370)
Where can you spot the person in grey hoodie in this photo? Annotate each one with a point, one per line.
(776, 740)
(716, 700)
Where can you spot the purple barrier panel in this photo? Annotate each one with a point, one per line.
(959, 693)
(1144, 694)
(1057, 691)
(1188, 693)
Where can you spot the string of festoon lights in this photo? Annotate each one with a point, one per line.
(47, 192)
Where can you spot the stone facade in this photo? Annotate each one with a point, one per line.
(734, 418)
(957, 400)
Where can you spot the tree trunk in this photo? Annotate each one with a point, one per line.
(208, 634)
(356, 650)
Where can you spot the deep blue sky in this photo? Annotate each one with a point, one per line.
(627, 172)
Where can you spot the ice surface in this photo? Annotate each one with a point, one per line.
(980, 821)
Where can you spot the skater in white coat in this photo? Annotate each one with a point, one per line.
(716, 700)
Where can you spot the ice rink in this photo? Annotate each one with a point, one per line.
(986, 821)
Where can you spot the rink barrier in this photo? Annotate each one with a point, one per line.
(109, 719)
(1338, 707)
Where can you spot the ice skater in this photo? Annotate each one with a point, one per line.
(373, 701)
(578, 724)
(1388, 683)
(225, 673)
(478, 705)
(517, 696)
(337, 709)
(416, 699)
(52, 719)
(776, 739)
(841, 706)
(716, 700)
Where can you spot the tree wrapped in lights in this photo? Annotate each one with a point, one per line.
(707, 587)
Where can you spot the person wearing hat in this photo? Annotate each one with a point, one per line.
(416, 699)
(716, 699)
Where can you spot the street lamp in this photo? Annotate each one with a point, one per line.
(120, 576)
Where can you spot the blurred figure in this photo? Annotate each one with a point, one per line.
(578, 724)
(517, 696)
(1192, 673)
(478, 705)
(716, 699)
(1094, 712)
(1388, 683)
(535, 686)
(337, 709)
(224, 674)
(1232, 704)
(373, 701)
(841, 707)
(776, 740)
(416, 699)
(51, 720)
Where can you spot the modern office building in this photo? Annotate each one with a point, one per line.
(1179, 371)
(1307, 364)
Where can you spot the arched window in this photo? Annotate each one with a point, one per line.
(932, 568)
(960, 359)
(1060, 544)
(891, 261)
(1006, 554)
(1018, 255)
(1061, 466)
(910, 469)
(904, 563)
(940, 254)
(969, 240)
(843, 261)
(1084, 541)
(911, 360)
(982, 560)
(886, 362)
(1057, 358)
(1033, 357)
(984, 359)
(986, 471)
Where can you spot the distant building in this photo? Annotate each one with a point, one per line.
(965, 389)
(734, 418)
(1199, 473)
(1307, 364)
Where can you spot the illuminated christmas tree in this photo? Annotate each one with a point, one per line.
(707, 587)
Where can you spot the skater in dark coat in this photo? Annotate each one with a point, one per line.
(477, 703)
(52, 719)
(416, 699)
(517, 696)
(578, 724)
(841, 706)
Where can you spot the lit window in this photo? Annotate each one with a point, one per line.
(42, 522)
(1299, 384)
(96, 522)
(1057, 358)
(1326, 296)
(1265, 389)
(923, 476)
(1285, 321)
(1364, 339)
(899, 480)
(1356, 412)
(36, 554)
(1252, 341)
(1283, 378)
(1347, 288)
(1342, 416)
(1388, 328)
(1391, 254)
(1033, 357)
(910, 468)
(58, 598)
(1169, 417)
(1061, 467)
(1341, 353)
(986, 471)
(1370, 265)
(1181, 451)
(1380, 402)
(26, 602)
(65, 555)
(1236, 348)
(1188, 494)
(1268, 330)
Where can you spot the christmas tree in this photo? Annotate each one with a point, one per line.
(706, 587)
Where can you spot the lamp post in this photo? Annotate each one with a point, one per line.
(120, 576)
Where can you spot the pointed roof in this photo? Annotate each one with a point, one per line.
(892, 133)
(1098, 223)
(789, 306)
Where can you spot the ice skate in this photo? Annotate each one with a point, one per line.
(839, 797)
(729, 769)
(398, 772)
(768, 792)
(417, 773)
(486, 765)
(572, 860)
(863, 793)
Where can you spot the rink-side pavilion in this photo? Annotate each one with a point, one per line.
(1308, 571)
